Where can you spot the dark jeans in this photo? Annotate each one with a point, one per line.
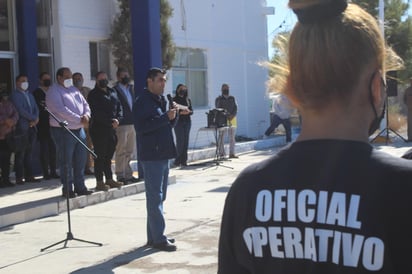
(23, 156)
(71, 158)
(5, 154)
(156, 175)
(275, 122)
(104, 143)
(47, 155)
(182, 132)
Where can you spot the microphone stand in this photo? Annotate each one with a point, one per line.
(219, 142)
(69, 235)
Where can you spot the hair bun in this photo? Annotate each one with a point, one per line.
(321, 12)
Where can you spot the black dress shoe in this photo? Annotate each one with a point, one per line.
(170, 240)
(84, 192)
(32, 180)
(54, 176)
(71, 194)
(133, 180)
(7, 183)
(166, 246)
(88, 172)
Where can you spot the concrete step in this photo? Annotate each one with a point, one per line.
(31, 201)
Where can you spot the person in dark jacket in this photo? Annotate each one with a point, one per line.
(47, 146)
(153, 124)
(26, 106)
(8, 119)
(330, 202)
(106, 114)
(182, 128)
(228, 103)
(126, 146)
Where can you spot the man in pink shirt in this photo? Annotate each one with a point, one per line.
(68, 104)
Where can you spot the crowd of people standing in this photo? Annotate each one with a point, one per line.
(101, 117)
(98, 117)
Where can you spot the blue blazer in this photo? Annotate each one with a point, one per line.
(27, 112)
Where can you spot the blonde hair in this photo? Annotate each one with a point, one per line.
(325, 60)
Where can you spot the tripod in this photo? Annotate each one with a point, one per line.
(217, 159)
(387, 128)
(69, 235)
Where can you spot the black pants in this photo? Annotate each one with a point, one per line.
(23, 156)
(182, 132)
(5, 154)
(104, 142)
(47, 154)
(275, 122)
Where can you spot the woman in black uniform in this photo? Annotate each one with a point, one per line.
(328, 203)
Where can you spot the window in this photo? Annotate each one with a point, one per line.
(190, 68)
(6, 26)
(44, 41)
(99, 57)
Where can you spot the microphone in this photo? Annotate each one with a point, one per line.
(170, 99)
(175, 105)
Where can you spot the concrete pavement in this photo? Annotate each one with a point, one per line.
(192, 210)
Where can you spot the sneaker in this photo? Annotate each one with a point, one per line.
(113, 184)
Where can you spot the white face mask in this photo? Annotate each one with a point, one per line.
(68, 83)
(24, 85)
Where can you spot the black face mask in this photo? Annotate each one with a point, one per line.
(46, 82)
(377, 121)
(225, 92)
(103, 83)
(183, 92)
(125, 80)
(375, 124)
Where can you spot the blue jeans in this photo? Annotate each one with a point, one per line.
(71, 158)
(275, 122)
(156, 174)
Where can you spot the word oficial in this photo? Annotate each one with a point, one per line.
(308, 241)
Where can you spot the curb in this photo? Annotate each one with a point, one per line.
(53, 206)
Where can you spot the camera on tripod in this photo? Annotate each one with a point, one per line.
(216, 118)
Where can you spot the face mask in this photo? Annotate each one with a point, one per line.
(103, 83)
(377, 121)
(225, 92)
(68, 83)
(125, 80)
(183, 92)
(78, 83)
(46, 82)
(24, 85)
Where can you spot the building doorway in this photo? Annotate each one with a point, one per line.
(6, 75)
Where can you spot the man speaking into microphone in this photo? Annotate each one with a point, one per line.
(153, 124)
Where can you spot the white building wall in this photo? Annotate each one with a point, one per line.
(232, 32)
(234, 35)
(77, 23)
